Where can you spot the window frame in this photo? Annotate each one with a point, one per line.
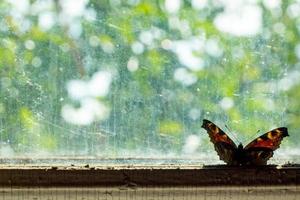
(28, 175)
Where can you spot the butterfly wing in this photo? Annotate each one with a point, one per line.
(224, 146)
(260, 150)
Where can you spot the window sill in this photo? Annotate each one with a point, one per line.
(146, 175)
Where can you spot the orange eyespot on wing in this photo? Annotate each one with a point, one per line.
(216, 134)
(223, 145)
(270, 140)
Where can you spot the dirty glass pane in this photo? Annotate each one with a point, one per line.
(118, 79)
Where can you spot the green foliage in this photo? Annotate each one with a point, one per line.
(149, 109)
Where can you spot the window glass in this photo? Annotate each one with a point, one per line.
(109, 79)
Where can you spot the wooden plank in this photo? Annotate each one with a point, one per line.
(140, 176)
(151, 193)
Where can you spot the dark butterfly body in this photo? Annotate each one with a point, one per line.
(257, 152)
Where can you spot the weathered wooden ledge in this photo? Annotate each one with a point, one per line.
(147, 176)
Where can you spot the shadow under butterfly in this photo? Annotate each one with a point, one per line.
(257, 152)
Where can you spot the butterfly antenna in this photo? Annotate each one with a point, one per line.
(235, 138)
(257, 133)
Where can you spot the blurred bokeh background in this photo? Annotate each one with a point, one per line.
(135, 78)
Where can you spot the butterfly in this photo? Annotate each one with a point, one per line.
(257, 152)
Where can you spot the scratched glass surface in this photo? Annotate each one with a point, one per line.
(123, 80)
